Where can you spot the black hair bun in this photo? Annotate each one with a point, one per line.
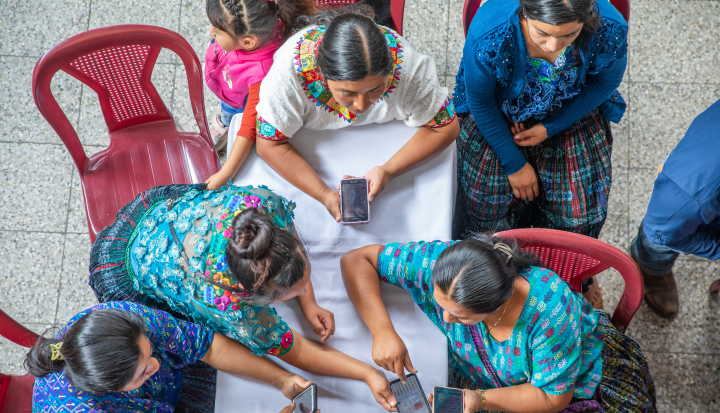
(252, 235)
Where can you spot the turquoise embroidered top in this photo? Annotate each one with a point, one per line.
(203, 221)
(546, 86)
(555, 345)
(175, 344)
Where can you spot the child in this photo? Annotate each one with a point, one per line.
(245, 35)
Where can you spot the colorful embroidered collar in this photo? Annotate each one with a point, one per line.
(314, 85)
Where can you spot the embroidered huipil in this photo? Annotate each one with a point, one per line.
(294, 94)
(175, 344)
(203, 222)
(546, 86)
(555, 345)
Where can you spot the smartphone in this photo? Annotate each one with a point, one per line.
(306, 402)
(410, 396)
(354, 203)
(447, 400)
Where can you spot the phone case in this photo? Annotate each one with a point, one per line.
(462, 399)
(341, 203)
(298, 408)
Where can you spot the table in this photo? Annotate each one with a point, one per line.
(415, 206)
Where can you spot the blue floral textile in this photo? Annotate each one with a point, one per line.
(175, 344)
(556, 344)
(203, 222)
(546, 86)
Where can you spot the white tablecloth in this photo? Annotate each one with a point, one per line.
(414, 206)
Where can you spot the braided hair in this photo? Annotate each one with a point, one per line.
(265, 260)
(259, 18)
(479, 273)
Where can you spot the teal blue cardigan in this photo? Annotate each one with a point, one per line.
(493, 71)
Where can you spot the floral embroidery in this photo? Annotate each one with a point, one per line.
(312, 82)
(268, 131)
(445, 115)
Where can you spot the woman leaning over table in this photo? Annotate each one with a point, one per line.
(535, 93)
(345, 70)
(516, 332)
(219, 259)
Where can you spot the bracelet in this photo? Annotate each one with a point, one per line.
(482, 394)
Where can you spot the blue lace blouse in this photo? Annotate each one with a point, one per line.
(175, 344)
(203, 221)
(546, 86)
(556, 344)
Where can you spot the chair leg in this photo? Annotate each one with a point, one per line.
(715, 286)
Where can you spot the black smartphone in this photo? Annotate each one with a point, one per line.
(354, 204)
(306, 402)
(447, 400)
(410, 396)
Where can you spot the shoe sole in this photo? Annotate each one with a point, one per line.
(221, 145)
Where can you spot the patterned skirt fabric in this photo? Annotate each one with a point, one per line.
(574, 174)
(111, 281)
(626, 385)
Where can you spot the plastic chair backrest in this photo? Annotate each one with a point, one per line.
(397, 9)
(471, 7)
(117, 63)
(16, 391)
(575, 258)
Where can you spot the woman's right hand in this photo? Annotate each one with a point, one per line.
(292, 386)
(390, 353)
(525, 183)
(217, 180)
(331, 200)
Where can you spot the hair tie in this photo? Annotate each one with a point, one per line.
(504, 248)
(56, 351)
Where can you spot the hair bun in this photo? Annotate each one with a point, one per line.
(252, 234)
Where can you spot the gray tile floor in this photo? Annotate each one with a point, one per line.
(672, 76)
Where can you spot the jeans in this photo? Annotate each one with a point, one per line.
(227, 112)
(652, 258)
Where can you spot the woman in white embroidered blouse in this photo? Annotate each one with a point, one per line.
(349, 71)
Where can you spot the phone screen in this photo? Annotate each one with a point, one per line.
(448, 400)
(306, 402)
(410, 397)
(354, 200)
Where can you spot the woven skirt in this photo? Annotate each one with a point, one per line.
(574, 175)
(626, 385)
(111, 281)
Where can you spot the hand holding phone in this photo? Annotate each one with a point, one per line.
(448, 400)
(306, 402)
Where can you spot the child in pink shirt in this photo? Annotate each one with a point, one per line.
(245, 35)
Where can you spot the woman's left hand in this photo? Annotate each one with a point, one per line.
(380, 388)
(322, 321)
(529, 137)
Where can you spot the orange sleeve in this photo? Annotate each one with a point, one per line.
(248, 126)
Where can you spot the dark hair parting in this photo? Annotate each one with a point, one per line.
(100, 352)
(479, 273)
(258, 17)
(558, 12)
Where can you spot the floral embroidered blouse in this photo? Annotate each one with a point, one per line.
(546, 86)
(555, 345)
(175, 344)
(295, 95)
(202, 222)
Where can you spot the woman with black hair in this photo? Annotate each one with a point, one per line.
(345, 70)
(120, 357)
(536, 91)
(519, 338)
(219, 259)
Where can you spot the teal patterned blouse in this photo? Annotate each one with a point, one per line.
(555, 345)
(546, 86)
(203, 221)
(175, 344)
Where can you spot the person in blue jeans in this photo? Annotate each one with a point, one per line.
(684, 212)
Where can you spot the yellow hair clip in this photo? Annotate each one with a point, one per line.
(56, 351)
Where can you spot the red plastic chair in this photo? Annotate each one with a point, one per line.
(575, 258)
(146, 149)
(16, 391)
(397, 9)
(471, 7)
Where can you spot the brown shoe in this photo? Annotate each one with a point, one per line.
(661, 294)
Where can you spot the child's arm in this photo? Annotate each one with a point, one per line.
(244, 142)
